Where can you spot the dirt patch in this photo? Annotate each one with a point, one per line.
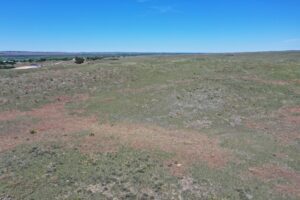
(272, 82)
(188, 147)
(53, 122)
(289, 189)
(285, 125)
(268, 173)
(285, 135)
(287, 138)
(290, 118)
(268, 82)
(10, 115)
(107, 100)
(58, 104)
(52, 119)
(295, 81)
(290, 115)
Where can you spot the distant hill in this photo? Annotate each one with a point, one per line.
(10, 54)
(33, 53)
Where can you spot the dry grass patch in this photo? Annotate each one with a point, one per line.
(285, 126)
(188, 147)
(268, 173)
(54, 123)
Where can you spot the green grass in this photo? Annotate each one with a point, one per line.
(49, 171)
(215, 95)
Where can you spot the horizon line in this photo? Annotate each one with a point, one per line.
(146, 52)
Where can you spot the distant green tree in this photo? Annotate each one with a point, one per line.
(42, 60)
(66, 58)
(93, 58)
(79, 60)
(7, 64)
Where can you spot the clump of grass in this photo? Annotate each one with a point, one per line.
(92, 134)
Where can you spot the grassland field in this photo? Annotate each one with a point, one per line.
(212, 127)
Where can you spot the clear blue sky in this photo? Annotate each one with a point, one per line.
(150, 25)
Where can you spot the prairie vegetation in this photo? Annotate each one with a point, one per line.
(220, 126)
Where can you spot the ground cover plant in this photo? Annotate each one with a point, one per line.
(216, 126)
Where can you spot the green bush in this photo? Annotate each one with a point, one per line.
(7, 64)
(42, 60)
(79, 60)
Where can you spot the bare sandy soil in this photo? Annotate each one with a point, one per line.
(27, 67)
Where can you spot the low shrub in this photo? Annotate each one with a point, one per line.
(79, 60)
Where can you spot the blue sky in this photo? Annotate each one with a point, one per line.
(150, 25)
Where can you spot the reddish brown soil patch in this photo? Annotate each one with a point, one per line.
(51, 119)
(53, 123)
(107, 100)
(287, 138)
(296, 81)
(269, 173)
(285, 125)
(289, 189)
(188, 147)
(290, 124)
(10, 115)
(272, 82)
(256, 125)
(291, 115)
(264, 81)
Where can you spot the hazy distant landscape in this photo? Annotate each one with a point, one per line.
(8, 55)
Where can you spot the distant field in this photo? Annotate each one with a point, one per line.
(215, 127)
